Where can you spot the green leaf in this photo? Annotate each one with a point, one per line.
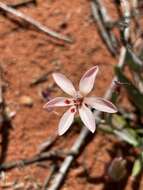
(135, 95)
(139, 131)
(105, 128)
(118, 121)
(133, 61)
(128, 135)
(136, 167)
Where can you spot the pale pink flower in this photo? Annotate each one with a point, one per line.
(78, 101)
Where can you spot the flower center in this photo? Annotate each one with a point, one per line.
(78, 102)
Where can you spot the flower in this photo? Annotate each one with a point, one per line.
(78, 101)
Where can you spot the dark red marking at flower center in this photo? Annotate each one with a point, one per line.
(78, 102)
(67, 102)
(72, 110)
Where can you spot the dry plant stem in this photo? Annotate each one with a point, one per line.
(75, 149)
(26, 162)
(106, 19)
(136, 77)
(49, 177)
(33, 22)
(45, 146)
(127, 18)
(102, 28)
(42, 78)
(136, 14)
(22, 3)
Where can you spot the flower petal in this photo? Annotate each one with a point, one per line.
(87, 117)
(66, 120)
(58, 102)
(101, 104)
(64, 83)
(87, 81)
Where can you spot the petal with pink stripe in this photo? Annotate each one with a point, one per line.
(87, 117)
(87, 81)
(101, 104)
(66, 120)
(64, 83)
(59, 102)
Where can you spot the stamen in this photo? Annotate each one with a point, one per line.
(78, 102)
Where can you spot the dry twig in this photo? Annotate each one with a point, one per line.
(106, 21)
(127, 14)
(127, 19)
(40, 79)
(45, 146)
(34, 159)
(33, 22)
(49, 177)
(100, 15)
(22, 3)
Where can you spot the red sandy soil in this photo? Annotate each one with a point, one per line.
(26, 54)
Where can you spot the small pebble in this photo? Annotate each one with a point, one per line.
(26, 101)
(9, 114)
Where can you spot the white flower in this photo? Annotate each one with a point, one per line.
(79, 102)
